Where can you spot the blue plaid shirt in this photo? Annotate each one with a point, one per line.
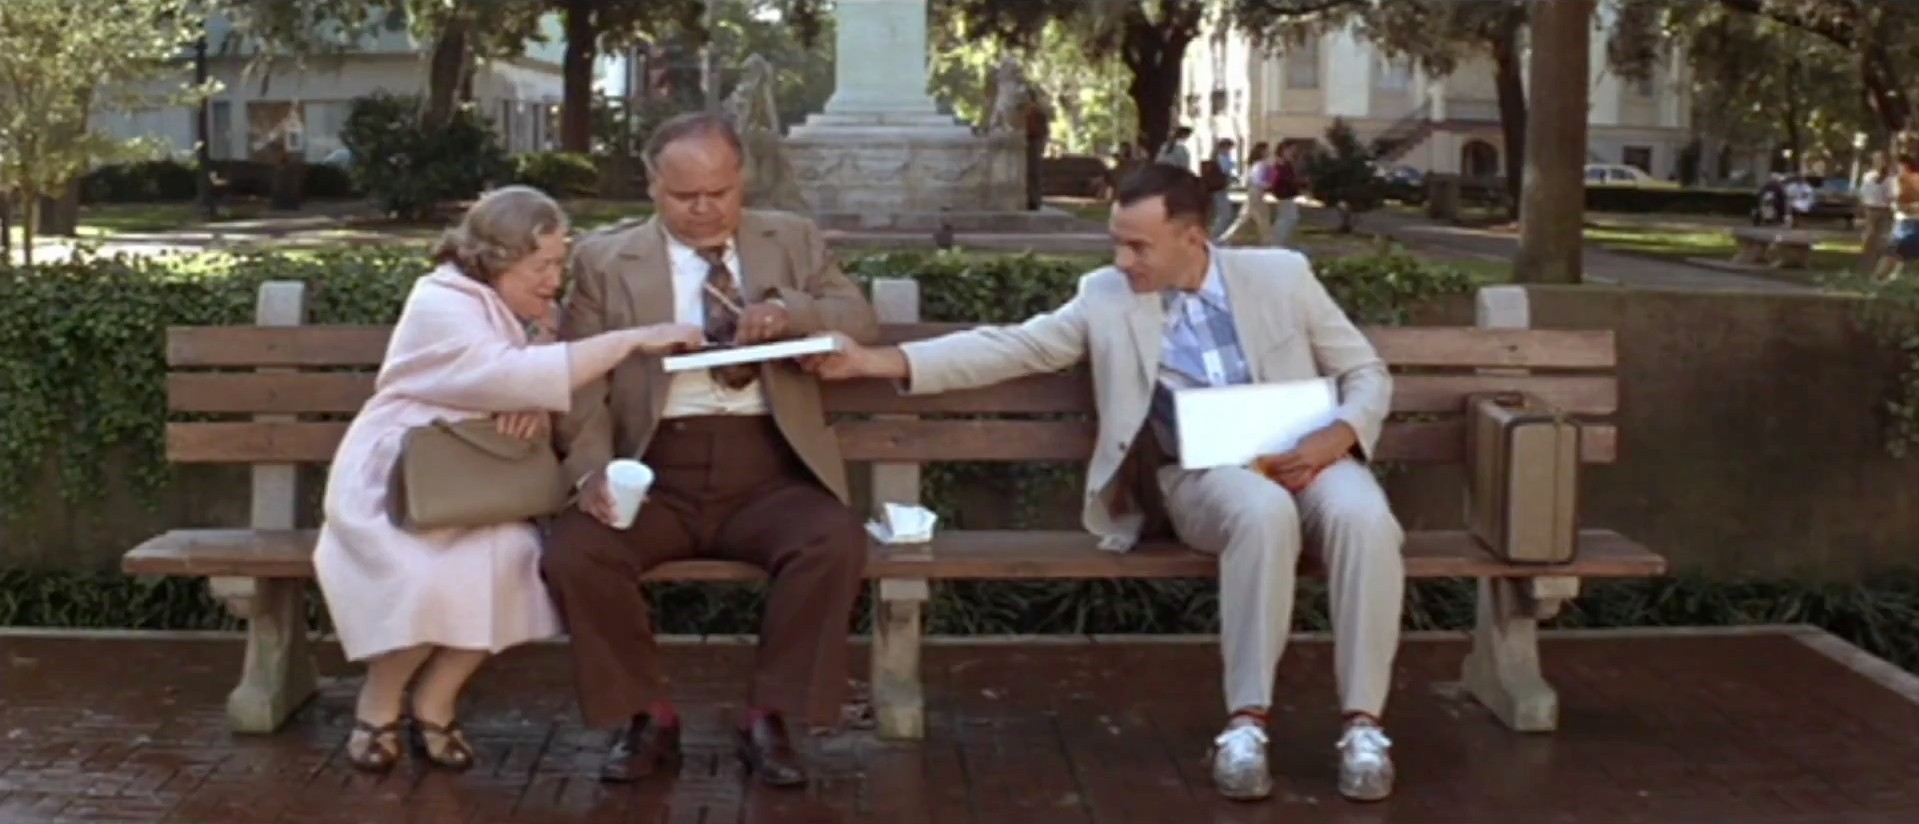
(1200, 348)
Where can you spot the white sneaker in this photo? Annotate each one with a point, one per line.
(1239, 763)
(1365, 768)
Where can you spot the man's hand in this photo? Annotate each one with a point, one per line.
(762, 322)
(524, 425)
(1295, 469)
(595, 499)
(856, 361)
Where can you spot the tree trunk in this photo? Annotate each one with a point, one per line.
(1553, 213)
(6, 228)
(1881, 83)
(60, 216)
(710, 57)
(447, 70)
(1153, 53)
(203, 136)
(1795, 138)
(28, 206)
(1155, 98)
(576, 73)
(1510, 84)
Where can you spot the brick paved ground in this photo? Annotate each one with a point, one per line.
(1746, 729)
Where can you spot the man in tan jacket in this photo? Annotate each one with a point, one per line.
(745, 467)
(1175, 312)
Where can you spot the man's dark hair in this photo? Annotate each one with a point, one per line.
(689, 126)
(1182, 192)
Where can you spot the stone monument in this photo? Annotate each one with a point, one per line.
(881, 156)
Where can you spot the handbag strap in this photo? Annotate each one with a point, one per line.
(486, 439)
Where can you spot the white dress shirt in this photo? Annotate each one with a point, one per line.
(695, 392)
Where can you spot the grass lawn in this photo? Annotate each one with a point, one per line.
(103, 221)
(1691, 237)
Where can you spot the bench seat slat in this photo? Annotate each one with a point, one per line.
(1067, 392)
(958, 555)
(907, 441)
(1548, 349)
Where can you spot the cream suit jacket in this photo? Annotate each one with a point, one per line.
(1288, 325)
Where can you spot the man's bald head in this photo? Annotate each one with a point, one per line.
(696, 168)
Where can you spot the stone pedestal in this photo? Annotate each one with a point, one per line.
(881, 149)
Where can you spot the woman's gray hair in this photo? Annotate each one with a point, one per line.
(503, 227)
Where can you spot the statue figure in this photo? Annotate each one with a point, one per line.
(1019, 123)
(752, 104)
(1011, 94)
(754, 111)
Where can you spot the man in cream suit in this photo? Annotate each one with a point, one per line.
(1175, 311)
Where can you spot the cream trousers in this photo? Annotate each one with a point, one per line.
(1258, 528)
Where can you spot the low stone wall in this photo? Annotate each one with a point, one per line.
(1751, 435)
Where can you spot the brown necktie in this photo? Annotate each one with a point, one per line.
(721, 320)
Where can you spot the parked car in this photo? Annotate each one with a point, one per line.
(1622, 175)
(1402, 183)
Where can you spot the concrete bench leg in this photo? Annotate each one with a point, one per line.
(899, 701)
(278, 675)
(1750, 251)
(1502, 671)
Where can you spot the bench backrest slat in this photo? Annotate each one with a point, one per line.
(1401, 346)
(1065, 393)
(1435, 368)
(894, 441)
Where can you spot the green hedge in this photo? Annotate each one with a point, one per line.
(560, 174)
(170, 181)
(1728, 202)
(1880, 616)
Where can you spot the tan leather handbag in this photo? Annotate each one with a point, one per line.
(469, 474)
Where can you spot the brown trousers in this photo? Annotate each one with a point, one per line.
(724, 487)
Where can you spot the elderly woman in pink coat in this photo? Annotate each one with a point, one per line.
(426, 609)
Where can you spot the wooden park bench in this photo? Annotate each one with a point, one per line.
(268, 383)
(1775, 246)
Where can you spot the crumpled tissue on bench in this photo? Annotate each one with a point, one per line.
(904, 524)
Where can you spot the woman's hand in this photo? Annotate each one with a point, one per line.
(665, 338)
(525, 425)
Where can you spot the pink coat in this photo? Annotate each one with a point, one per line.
(457, 353)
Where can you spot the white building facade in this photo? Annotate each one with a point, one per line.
(306, 104)
(1234, 88)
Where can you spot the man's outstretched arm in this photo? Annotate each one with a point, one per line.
(965, 360)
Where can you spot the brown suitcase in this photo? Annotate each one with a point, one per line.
(1522, 478)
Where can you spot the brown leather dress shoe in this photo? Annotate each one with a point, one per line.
(769, 753)
(642, 749)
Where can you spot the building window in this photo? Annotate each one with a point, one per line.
(324, 122)
(220, 130)
(1638, 157)
(1302, 66)
(1643, 86)
(1393, 75)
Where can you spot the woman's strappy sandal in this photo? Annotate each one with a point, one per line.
(454, 753)
(381, 749)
